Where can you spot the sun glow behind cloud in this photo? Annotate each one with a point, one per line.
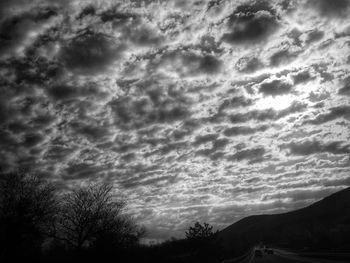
(276, 103)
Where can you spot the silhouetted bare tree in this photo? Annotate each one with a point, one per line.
(200, 231)
(92, 217)
(203, 242)
(27, 207)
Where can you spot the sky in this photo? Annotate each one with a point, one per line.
(198, 110)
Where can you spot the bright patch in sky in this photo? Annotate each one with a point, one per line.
(276, 103)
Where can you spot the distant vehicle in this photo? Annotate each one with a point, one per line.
(258, 253)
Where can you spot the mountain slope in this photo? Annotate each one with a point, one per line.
(322, 225)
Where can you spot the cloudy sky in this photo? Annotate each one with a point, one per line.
(193, 110)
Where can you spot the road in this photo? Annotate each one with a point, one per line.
(281, 256)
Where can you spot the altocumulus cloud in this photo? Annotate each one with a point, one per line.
(193, 110)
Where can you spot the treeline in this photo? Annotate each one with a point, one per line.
(38, 222)
(201, 244)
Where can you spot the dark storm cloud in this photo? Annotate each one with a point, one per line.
(66, 91)
(90, 52)
(345, 90)
(132, 112)
(314, 35)
(323, 70)
(163, 180)
(186, 62)
(317, 97)
(128, 157)
(201, 139)
(43, 121)
(6, 5)
(235, 102)
(58, 153)
(253, 155)
(32, 139)
(88, 10)
(333, 114)
(167, 148)
(294, 35)
(138, 33)
(209, 45)
(282, 57)
(220, 143)
(251, 23)
(61, 92)
(213, 4)
(268, 114)
(206, 64)
(17, 127)
(14, 30)
(210, 153)
(138, 174)
(186, 129)
(118, 17)
(244, 130)
(30, 70)
(23, 116)
(132, 26)
(156, 102)
(83, 171)
(336, 182)
(313, 147)
(275, 87)
(143, 37)
(331, 8)
(301, 77)
(93, 132)
(217, 145)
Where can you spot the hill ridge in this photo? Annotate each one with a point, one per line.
(323, 223)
